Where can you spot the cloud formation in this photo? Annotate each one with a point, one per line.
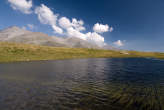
(46, 16)
(78, 25)
(63, 25)
(71, 32)
(22, 5)
(96, 38)
(57, 29)
(100, 28)
(73, 29)
(118, 43)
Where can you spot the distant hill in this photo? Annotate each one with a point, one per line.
(18, 35)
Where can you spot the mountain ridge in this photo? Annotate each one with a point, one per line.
(17, 35)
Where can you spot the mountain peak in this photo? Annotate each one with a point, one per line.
(13, 28)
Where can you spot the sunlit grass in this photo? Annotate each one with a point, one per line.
(10, 52)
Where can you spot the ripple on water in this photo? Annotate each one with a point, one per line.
(83, 84)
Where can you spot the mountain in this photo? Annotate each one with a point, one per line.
(18, 35)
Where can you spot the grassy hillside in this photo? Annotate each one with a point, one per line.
(10, 52)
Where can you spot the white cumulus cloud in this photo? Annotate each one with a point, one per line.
(78, 24)
(118, 43)
(100, 28)
(91, 37)
(22, 5)
(71, 32)
(73, 29)
(95, 38)
(57, 29)
(65, 23)
(46, 16)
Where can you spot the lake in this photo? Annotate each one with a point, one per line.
(83, 84)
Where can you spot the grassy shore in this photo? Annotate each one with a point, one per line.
(11, 52)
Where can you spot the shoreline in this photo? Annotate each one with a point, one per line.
(17, 61)
(16, 52)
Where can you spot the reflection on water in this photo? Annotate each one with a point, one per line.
(83, 84)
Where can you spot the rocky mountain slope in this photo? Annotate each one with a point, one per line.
(18, 35)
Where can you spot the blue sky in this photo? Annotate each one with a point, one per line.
(137, 24)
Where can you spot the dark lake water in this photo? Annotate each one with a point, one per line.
(83, 84)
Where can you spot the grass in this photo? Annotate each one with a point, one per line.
(11, 52)
(118, 96)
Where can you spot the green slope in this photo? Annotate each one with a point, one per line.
(10, 52)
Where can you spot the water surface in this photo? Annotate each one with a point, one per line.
(83, 84)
